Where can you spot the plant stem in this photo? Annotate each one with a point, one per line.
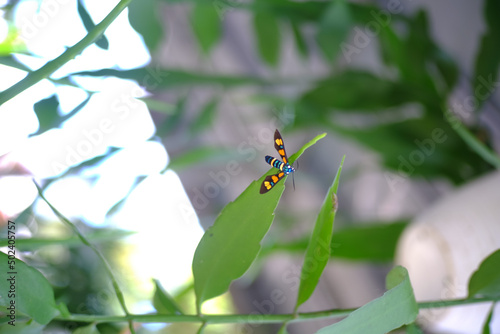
(251, 318)
(109, 272)
(53, 65)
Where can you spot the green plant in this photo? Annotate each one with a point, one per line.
(416, 73)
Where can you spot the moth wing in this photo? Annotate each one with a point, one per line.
(270, 181)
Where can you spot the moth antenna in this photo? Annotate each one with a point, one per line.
(293, 179)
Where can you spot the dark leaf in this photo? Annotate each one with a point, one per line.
(102, 42)
(144, 18)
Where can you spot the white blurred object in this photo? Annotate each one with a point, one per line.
(445, 245)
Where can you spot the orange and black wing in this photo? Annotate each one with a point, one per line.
(270, 181)
(279, 145)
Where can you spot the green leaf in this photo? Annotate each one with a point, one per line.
(102, 42)
(318, 250)
(163, 302)
(447, 68)
(46, 112)
(299, 39)
(33, 295)
(228, 248)
(485, 281)
(413, 329)
(486, 67)
(200, 155)
(488, 57)
(487, 322)
(334, 26)
(155, 78)
(375, 242)
(206, 117)
(24, 325)
(89, 329)
(31, 244)
(267, 34)
(172, 122)
(357, 90)
(397, 307)
(144, 18)
(206, 25)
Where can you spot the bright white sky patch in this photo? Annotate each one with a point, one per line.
(159, 209)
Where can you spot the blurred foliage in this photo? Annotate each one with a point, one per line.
(402, 106)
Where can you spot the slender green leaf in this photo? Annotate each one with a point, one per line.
(374, 242)
(282, 329)
(485, 281)
(474, 143)
(369, 243)
(206, 25)
(155, 78)
(206, 116)
(26, 290)
(487, 322)
(357, 90)
(488, 56)
(228, 248)
(171, 123)
(267, 33)
(299, 39)
(30, 244)
(397, 307)
(89, 24)
(333, 29)
(163, 302)
(201, 155)
(145, 19)
(318, 250)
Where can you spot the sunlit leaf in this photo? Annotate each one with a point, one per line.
(163, 302)
(397, 307)
(228, 248)
(28, 289)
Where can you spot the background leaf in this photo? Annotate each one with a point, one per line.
(397, 307)
(334, 26)
(34, 296)
(267, 33)
(46, 112)
(143, 17)
(488, 56)
(163, 302)
(206, 25)
(485, 281)
(318, 249)
(374, 242)
(89, 24)
(228, 248)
